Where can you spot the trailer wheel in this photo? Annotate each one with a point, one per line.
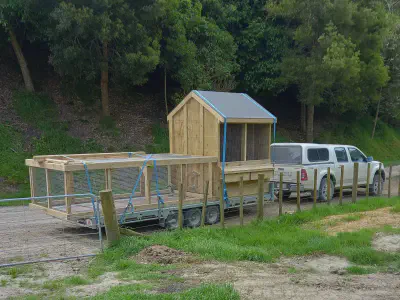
(171, 222)
(193, 217)
(212, 215)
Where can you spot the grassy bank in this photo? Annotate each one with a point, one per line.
(265, 241)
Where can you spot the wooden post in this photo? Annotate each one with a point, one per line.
(183, 175)
(210, 179)
(355, 182)
(180, 206)
(148, 174)
(341, 184)
(380, 180)
(170, 177)
(204, 209)
(390, 182)
(260, 198)
(32, 182)
(48, 188)
(315, 188)
(222, 206)
(241, 188)
(298, 191)
(110, 216)
(108, 179)
(328, 177)
(398, 192)
(368, 180)
(280, 193)
(68, 190)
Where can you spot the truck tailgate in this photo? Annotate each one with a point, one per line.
(289, 173)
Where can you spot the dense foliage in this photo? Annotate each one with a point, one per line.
(341, 55)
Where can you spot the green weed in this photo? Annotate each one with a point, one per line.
(292, 270)
(3, 282)
(352, 218)
(75, 280)
(357, 270)
(395, 209)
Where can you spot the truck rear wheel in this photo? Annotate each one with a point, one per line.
(171, 222)
(193, 217)
(323, 189)
(212, 215)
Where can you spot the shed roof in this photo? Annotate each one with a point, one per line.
(235, 105)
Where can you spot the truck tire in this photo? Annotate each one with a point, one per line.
(193, 217)
(374, 187)
(212, 215)
(171, 222)
(323, 189)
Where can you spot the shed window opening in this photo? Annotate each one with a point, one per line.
(318, 154)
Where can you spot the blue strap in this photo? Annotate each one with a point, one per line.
(130, 154)
(160, 199)
(90, 189)
(122, 219)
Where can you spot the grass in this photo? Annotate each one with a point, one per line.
(15, 272)
(395, 209)
(352, 218)
(265, 241)
(357, 270)
(215, 292)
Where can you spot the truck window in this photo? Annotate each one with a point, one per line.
(286, 155)
(318, 154)
(341, 155)
(356, 155)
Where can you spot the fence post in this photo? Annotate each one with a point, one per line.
(341, 185)
(180, 206)
(241, 189)
(315, 188)
(398, 192)
(390, 182)
(368, 180)
(280, 193)
(380, 180)
(260, 208)
(328, 196)
(222, 206)
(355, 183)
(298, 191)
(203, 212)
(110, 216)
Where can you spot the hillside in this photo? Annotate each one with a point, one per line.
(50, 122)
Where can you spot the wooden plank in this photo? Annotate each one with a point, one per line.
(218, 140)
(169, 176)
(180, 206)
(244, 142)
(315, 188)
(341, 185)
(108, 179)
(185, 129)
(52, 212)
(221, 205)
(269, 141)
(236, 177)
(110, 217)
(148, 173)
(368, 180)
(183, 178)
(68, 190)
(210, 178)
(390, 182)
(171, 136)
(249, 120)
(32, 182)
(260, 198)
(64, 157)
(250, 188)
(298, 191)
(201, 152)
(328, 177)
(204, 207)
(355, 183)
(44, 165)
(48, 188)
(280, 193)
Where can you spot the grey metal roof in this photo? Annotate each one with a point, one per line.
(235, 105)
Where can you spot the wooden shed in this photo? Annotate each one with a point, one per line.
(230, 126)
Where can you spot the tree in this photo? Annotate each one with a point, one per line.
(336, 55)
(93, 40)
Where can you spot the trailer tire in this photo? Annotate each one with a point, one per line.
(212, 215)
(171, 222)
(193, 217)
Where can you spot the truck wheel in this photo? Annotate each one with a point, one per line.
(374, 188)
(193, 217)
(212, 215)
(171, 222)
(323, 189)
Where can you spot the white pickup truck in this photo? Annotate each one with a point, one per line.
(288, 158)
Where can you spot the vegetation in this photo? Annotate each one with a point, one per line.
(265, 241)
(332, 56)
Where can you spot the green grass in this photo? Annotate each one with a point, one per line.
(395, 209)
(352, 218)
(383, 147)
(357, 270)
(266, 241)
(130, 292)
(15, 272)
(3, 283)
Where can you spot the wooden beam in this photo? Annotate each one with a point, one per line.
(171, 135)
(269, 141)
(48, 188)
(148, 174)
(183, 178)
(249, 121)
(32, 182)
(185, 129)
(68, 190)
(244, 142)
(210, 178)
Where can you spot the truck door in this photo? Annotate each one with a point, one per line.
(357, 156)
(343, 159)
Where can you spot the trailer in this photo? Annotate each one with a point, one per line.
(214, 137)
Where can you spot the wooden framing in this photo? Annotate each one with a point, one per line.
(48, 188)
(69, 190)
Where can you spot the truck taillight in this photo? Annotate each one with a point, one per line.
(304, 175)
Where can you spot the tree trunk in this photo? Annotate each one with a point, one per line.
(104, 81)
(376, 118)
(21, 61)
(303, 120)
(165, 90)
(310, 123)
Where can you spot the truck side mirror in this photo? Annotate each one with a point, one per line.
(370, 159)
